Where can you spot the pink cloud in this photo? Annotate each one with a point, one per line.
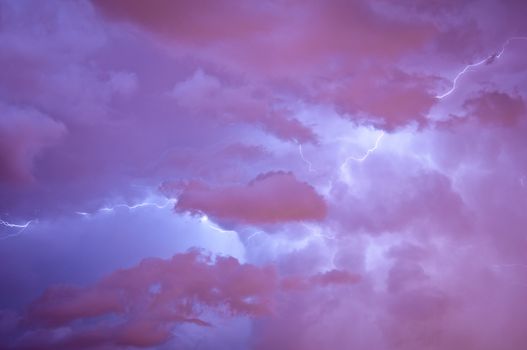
(496, 107)
(139, 306)
(337, 277)
(24, 134)
(305, 39)
(387, 99)
(304, 54)
(268, 199)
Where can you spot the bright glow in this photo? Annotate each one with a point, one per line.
(205, 219)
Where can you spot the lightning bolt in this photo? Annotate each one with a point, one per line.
(109, 209)
(489, 59)
(367, 154)
(130, 207)
(309, 164)
(11, 225)
(21, 228)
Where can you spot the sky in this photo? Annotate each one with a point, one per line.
(286, 175)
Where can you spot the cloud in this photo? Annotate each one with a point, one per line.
(413, 196)
(144, 305)
(327, 52)
(270, 198)
(417, 241)
(207, 95)
(388, 99)
(497, 108)
(317, 32)
(24, 134)
(140, 306)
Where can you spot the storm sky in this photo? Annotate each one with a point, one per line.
(264, 175)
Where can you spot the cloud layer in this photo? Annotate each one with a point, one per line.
(345, 173)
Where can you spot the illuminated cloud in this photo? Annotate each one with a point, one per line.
(352, 173)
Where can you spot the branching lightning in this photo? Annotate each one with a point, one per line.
(108, 209)
(130, 207)
(486, 60)
(367, 154)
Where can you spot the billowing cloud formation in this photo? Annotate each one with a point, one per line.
(313, 53)
(143, 304)
(206, 95)
(268, 199)
(356, 171)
